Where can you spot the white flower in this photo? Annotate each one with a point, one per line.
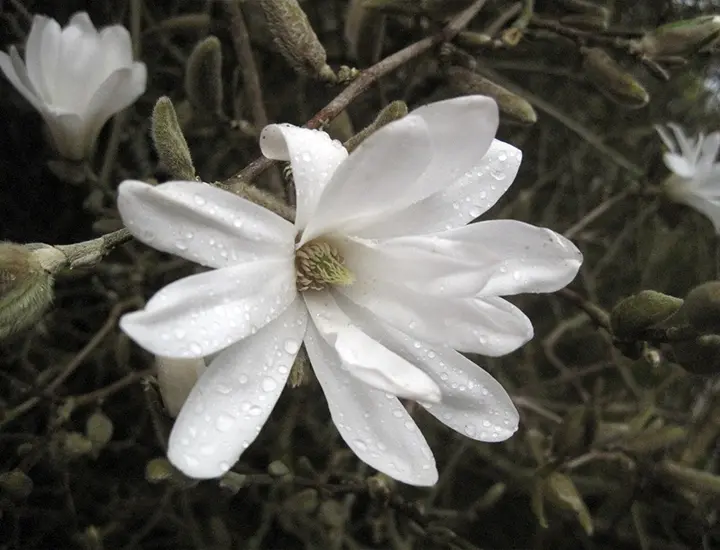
(412, 284)
(696, 174)
(76, 77)
(176, 378)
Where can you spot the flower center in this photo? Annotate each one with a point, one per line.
(319, 264)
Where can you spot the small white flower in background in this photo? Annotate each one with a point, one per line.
(380, 277)
(696, 174)
(76, 77)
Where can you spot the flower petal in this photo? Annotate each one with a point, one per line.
(374, 425)
(176, 378)
(119, 90)
(473, 402)
(202, 223)
(314, 157)
(364, 358)
(470, 196)
(34, 53)
(204, 313)
(116, 48)
(234, 397)
(709, 207)
(378, 177)
(14, 70)
(512, 256)
(488, 326)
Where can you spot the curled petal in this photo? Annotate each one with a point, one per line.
(202, 314)
(202, 223)
(314, 157)
(364, 358)
(473, 402)
(374, 425)
(234, 397)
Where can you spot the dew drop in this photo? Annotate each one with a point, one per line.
(268, 384)
(200, 201)
(292, 346)
(196, 349)
(254, 410)
(469, 430)
(224, 422)
(360, 445)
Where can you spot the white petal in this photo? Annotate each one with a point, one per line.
(513, 257)
(234, 397)
(68, 131)
(202, 223)
(116, 47)
(204, 313)
(14, 70)
(470, 196)
(176, 378)
(81, 21)
(364, 358)
(118, 91)
(420, 269)
(488, 326)
(34, 52)
(710, 208)
(708, 153)
(379, 176)
(374, 425)
(679, 165)
(473, 402)
(314, 157)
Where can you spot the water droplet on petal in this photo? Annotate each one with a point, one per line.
(292, 346)
(224, 422)
(200, 201)
(268, 384)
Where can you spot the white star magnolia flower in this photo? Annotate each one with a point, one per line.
(380, 277)
(696, 176)
(76, 77)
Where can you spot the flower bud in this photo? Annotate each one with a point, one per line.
(277, 468)
(393, 111)
(170, 142)
(679, 38)
(16, 484)
(467, 82)
(203, 76)
(612, 80)
(99, 430)
(640, 311)
(26, 284)
(702, 307)
(295, 38)
(232, 481)
(66, 446)
(560, 491)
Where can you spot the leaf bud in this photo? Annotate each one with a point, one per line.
(393, 111)
(684, 478)
(277, 468)
(679, 38)
(99, 429)
(702, 307)
(560, 491)
(612, 80)
(66, 446)
(304, 502)
(467, 82)
(26, 284)
(653, 439)
(16, 484)
(631, 316)
(575, 434)
(160, 470)
(170, 144)
(232, 481)
(380, 487)
(203, 76)
(295, 38)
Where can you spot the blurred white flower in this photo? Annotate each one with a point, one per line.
(76, 77)
(696, 174)
(380, 277)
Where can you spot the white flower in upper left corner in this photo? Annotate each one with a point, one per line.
(76, 77)
(696, 174)
(379, 277)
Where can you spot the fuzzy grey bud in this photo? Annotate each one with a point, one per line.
(203, 76)
(295, 38)
(640, 311)
(679, 38)
(170, 142)
(612, 80)
(702, 307)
